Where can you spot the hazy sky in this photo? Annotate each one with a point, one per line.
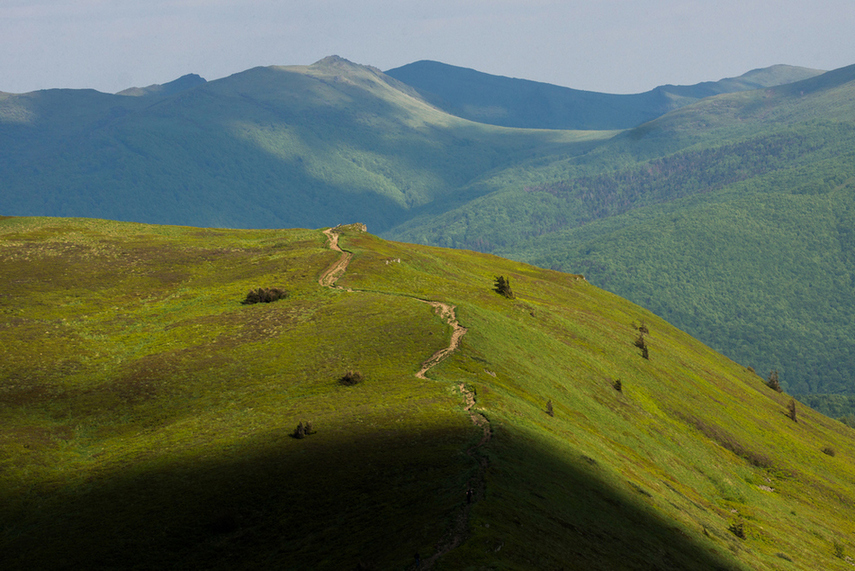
(615, 46)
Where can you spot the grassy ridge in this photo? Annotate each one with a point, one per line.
(658, 445)
(150, 413)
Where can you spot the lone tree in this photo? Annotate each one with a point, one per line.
(791, 410)
(503, 286)
(549, 410)
(640, 342)
(773, 383)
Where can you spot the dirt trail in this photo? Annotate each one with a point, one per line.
(477, 483)
(335, 271)
(446, 312)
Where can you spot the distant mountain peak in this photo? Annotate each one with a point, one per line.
(187, 81)
(335, 62)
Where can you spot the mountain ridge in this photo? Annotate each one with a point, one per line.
(513, 102)
(158, 428)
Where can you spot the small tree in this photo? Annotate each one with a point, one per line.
(618, 385)
(304, 429)
(642, 344)
(791, 410)
(549, 410)
(299, 432)
(503, 286)
(773, 383)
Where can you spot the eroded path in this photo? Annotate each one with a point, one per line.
(477, 483)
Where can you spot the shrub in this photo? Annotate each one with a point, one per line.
(303, 430)
(828, 450)
(737, 529)
(351, 378)
(618, 385)
(791, 410)
(265, 295)
(503, 286)
(640, 342)
(299, 432)
(549, 410)
(773, 383)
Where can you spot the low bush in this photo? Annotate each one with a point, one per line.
(265, 295)
(303, 430)
(351, 378)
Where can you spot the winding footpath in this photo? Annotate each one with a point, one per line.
(477, 483)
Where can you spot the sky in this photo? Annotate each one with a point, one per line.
(612, 46)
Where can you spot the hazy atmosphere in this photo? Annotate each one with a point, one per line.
(608, 46)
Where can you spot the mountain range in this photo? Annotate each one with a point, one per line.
(521, 103)
(730, 215)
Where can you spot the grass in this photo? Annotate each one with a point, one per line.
(149, 414)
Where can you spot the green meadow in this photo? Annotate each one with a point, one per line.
(149, 416)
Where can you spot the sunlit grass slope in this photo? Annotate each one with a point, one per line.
(147, 414)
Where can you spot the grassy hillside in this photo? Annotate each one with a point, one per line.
(730, 217)
(512, 102)
(149, 414)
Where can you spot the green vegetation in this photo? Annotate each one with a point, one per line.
(731, 217)
(149, 416)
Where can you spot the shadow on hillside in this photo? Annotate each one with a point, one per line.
(372, 501)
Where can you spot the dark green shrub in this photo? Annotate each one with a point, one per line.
(503, 286)
(303, 430)
(828, 450)
(351, 378)
(640, 342)
(549, 410)
(791, 410)
(265, 295)
(773, 383)
(737, 529)
(618, 386)
(300, 431)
